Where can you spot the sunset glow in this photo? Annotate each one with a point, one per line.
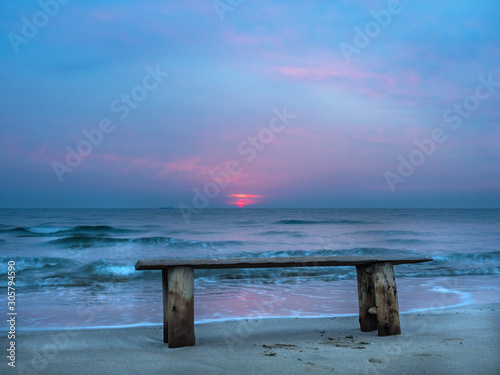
(244, 199)
(288, 104)
(250, 196)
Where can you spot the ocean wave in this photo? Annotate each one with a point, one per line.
(286, 275)
(470, 264)
(390, 232)
(282, 232)
(360, 251)
(47, 271)
(47, 230)
(86, 242)
(277, 275)
(34, 263)
(406, 240)
(52, 271)
(308, 222)
(89, 242)
(456, 264)
(449, 271)
(479, 257)
(110, 270)
(96, 273)
(51, 231)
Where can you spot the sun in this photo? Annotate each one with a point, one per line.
(243, 200)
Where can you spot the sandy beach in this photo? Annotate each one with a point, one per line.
(462, 340)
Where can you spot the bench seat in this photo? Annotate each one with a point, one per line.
(377, 293)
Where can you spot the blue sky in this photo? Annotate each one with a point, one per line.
(181, 89)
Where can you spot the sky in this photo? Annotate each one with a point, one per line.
(230, 103)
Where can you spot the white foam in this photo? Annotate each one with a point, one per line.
(116, 270)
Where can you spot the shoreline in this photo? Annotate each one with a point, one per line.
(465, 297)
(451, 340)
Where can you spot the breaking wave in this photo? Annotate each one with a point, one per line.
(56, 271)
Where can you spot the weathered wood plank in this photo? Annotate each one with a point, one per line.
(164, 283)
(386, 299)
(274, 262)
(180, 318)
(366, 299)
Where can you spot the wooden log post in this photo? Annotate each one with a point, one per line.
(180, 318)
(164, 283)
(386, 299)
(366, 299)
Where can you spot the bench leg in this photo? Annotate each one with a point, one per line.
(366, 298)
(180, 319)
(164, 283)
(386, 299)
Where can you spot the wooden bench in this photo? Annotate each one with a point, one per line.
(377, 294)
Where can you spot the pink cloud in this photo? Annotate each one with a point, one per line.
(346, 77)
(164, 167)
(34, 154)
(370, 78)
(195, 169)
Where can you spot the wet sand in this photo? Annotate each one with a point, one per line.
(464, 340)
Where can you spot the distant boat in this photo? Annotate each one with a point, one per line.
(166, 208)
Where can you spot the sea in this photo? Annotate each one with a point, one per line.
(75, 267)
